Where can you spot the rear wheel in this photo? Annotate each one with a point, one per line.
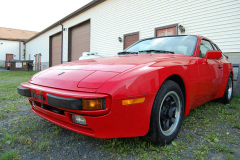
(167, 114)
(227, 97)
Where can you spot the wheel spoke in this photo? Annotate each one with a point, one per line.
(173, 104)
(167, 102)
(163, 115)
(168, 99)
(171, 112)
(165, 123)
(164, 109)
(172, 120)
(163, 112)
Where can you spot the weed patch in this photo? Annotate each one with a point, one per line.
(10, 155)
(223, 149)
(236, 125)
(44, 146)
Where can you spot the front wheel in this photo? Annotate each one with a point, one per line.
(167, 113)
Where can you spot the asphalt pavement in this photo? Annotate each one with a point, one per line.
(3, 69)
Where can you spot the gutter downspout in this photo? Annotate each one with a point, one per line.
(20, 55)
(60, 23)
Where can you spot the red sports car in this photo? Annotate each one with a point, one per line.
(144, 90)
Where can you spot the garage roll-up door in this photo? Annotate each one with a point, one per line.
(55, 49)
(79, 40)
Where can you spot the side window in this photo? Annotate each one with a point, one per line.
(205, 46)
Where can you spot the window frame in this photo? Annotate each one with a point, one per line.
(166, 27)
(200, 47)
(213, 45)
(130, 34)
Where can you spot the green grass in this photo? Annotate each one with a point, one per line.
(210, 128)
(9, 80)
(201, 152)
(43, 146)
(236, 125)
(223, 149)
(10, 155)
(10, 103)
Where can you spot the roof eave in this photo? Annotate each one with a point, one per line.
(8, 39)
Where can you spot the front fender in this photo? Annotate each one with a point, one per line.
(147, 79)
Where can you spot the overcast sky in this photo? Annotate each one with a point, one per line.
(36, 15)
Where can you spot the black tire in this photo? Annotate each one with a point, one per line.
(227, 97)
(165, 122)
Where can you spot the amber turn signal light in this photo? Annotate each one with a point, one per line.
(133, 101)
(92, 104)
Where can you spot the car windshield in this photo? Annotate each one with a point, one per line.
(177, 45)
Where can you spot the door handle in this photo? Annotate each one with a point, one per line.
(220, 67)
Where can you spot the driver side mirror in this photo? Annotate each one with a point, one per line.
(213, 55)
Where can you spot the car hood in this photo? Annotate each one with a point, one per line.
(91, 73)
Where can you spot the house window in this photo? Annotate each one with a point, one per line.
(169, 30)
(129, 39)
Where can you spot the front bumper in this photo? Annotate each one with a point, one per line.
(24, 91)
(61, 102)
(112, 122)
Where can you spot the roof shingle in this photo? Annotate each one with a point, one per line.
(15, 34)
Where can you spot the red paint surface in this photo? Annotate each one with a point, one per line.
(126, 77)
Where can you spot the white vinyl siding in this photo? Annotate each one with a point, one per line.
(9, 47)
(41, 45)
(215, 19)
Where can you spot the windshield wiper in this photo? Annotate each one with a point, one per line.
(156, 51)
(123, 53)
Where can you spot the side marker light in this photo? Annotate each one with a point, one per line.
(133, 101)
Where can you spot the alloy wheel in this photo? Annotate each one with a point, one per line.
(169, 113)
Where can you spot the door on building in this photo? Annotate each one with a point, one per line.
(79, 40)
(166, 30)
(8, 57)
(129, 39)
(55, 55)
(38, 61)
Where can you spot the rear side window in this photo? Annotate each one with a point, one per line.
(205, 46)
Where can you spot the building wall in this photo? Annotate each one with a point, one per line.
(217, 20)
(8, 47)
(41, 45)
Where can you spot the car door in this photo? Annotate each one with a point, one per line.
(210, 72)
